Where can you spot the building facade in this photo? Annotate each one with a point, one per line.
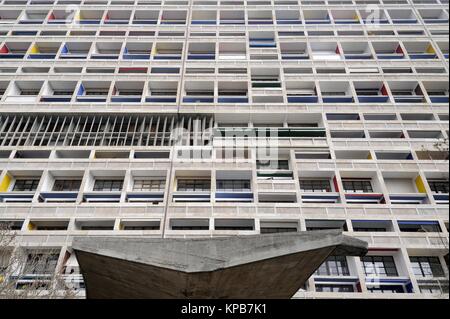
(181, 118)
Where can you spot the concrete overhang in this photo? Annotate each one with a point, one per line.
(256, 266)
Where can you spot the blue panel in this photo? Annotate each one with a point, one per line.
(302, 99)
(234, 195)
(161, 99)
(80, 90)
(201, 56)
(41, 56)
(55, 99)
(373, 99)
(233, 100)
(289, 22)
(439, 99)
(415, 222)
(198, 99)
(11, 56)
(417, 56)
(336, 99)
(145, 22)
(203, 22)
(136, 56)
(126, 99)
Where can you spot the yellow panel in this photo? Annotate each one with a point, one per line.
(154, 51)
(370, 156)
(4, 186)
(355, 17)
(31, 226)
(430, 49)
(420, 185)
(34, 49)
(78, 15)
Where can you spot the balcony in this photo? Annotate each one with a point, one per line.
(230, 17)
(101, 197)
(294, 51)
(193, 190)
(434, 16)
(203, 17)
(173, 17)
(438, 92)
(420, 50)
(288, 17)
(89, 17)
(345, 17)
(316, 17)
(14, 50)
(145, 17)
(233, 92)
(137, 51)
(407, 92)
(93, 91)
(201, 51)
(368, 17)
(117, 17)
(388, 50)
(336, 92)
(168, 51)
(61, 17)
(371, 92)
(356, 51)
(199, 92)
(325, 51)
(58, 91)
(44, 51)
(402, 16)
(127, 92)
(33, 17)
(75, 50)
(106, 51)
(259, 17)
(162, 92)
(23, 91)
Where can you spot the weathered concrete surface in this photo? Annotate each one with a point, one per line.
(260, 266)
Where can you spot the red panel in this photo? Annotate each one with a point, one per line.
(399, 49)
(336, 186)
(51, 16)
(4, 49)
(384, 90)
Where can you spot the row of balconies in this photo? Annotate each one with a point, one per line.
(180, 3)
(263, 42)
(265, 88)
(221, 72)
(377, 227)
(274, 184)
(151, 32)
(224, 17)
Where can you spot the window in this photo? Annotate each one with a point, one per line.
(427, 267)
(315, 185)
(379, 266)
(149, 185)
(41, 263)
(272, 164)
(439, 186)
(67, 185)
(394, 289)
(194, 185)
(104, 185)
(334, 288)
(26, 185)
(357, 186)
(334, 266)
(233, 185)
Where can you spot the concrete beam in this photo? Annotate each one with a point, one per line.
(259, 266)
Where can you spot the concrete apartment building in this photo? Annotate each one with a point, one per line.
(206, 118)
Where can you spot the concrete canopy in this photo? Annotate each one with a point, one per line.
(256, 266)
